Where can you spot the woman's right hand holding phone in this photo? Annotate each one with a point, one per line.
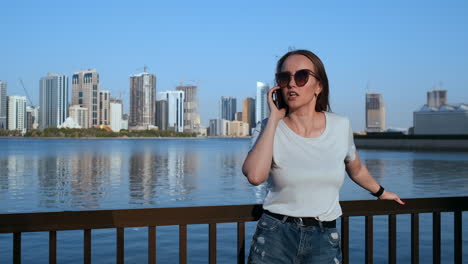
(275, 113)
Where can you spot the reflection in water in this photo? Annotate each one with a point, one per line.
(153, 174)
(443, 177)
(76, 180)
(376, 167)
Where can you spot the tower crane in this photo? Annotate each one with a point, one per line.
(25, 91)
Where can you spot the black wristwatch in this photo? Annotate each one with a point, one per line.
(379, 192)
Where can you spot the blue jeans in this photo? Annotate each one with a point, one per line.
(276, 241)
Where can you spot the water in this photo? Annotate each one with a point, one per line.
(39, 175)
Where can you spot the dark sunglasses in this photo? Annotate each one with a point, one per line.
(301, 77)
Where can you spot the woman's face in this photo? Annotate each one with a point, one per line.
(294, 95)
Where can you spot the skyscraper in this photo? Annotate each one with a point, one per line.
(175, 109)
(79, 115)
(142, 101)
(17, 113)
(3, 105)
(436, 98)
(115, 114)
(191, 116)
(85, 93)
(228, 107)
(53, 100)
(261, 104)
(104, 107)
(161, 111)
(248, 111)
(375, 113)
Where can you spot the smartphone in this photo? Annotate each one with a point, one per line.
(278, 99)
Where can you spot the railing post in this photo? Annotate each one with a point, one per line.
(151, 244)
(120, 245)
(182, 244)
(345, 239)
(87, 246)
(212, 243)
(52, 247)
(16, 248)
(415, 238)
(392, 243)
(436, 238)
(458, 237)
(240, 242)
(369, 239)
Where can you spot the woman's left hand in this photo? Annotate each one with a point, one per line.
(386, 195)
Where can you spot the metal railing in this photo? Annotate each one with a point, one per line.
(211, 215)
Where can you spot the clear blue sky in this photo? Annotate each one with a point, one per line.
(400, 48)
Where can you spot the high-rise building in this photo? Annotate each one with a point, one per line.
(175, 109)
(161, 111)
(191, 116)
(32, 116)
(115, 114)
(142, 101)
(436, 98)
(238, 116)
(85, 93)
(261, 103)
(228, 107)
(104, 107)
(3, 105)
(17, 113)
(375, 113)
(53, 100)
(248, 112)
(80, 115)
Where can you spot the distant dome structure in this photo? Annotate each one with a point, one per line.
(69, 123)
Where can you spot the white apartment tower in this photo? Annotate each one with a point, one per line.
(17, 113)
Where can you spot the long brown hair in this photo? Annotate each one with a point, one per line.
(323, 103)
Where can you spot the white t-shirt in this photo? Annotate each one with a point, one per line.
(309, 172)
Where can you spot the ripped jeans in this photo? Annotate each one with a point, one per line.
(275, 241)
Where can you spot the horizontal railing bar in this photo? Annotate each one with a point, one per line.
(76, 220)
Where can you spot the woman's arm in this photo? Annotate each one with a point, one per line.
(360, 175)
(257, 164)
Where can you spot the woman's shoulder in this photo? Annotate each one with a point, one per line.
(337, 119)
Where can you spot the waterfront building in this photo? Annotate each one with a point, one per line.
(53, 100)
(218, 127)
(191, 115)
(161, 111)
(228, 106)
(32, 117)
(142, 101)
(248, 112)
(85, 93)
(70, 123)
(436, 98)
(104, 107)
(238, 116)
(16, 113)
(375, 113)
(261, 103)
(115, 114)
(3, 105)
(175, 109)
(237, 129)
(439, 118)
(80, 115)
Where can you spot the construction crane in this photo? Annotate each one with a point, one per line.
(25, 91)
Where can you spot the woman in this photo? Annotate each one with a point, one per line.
(303, 151)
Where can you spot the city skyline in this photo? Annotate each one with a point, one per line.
(400, 49)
